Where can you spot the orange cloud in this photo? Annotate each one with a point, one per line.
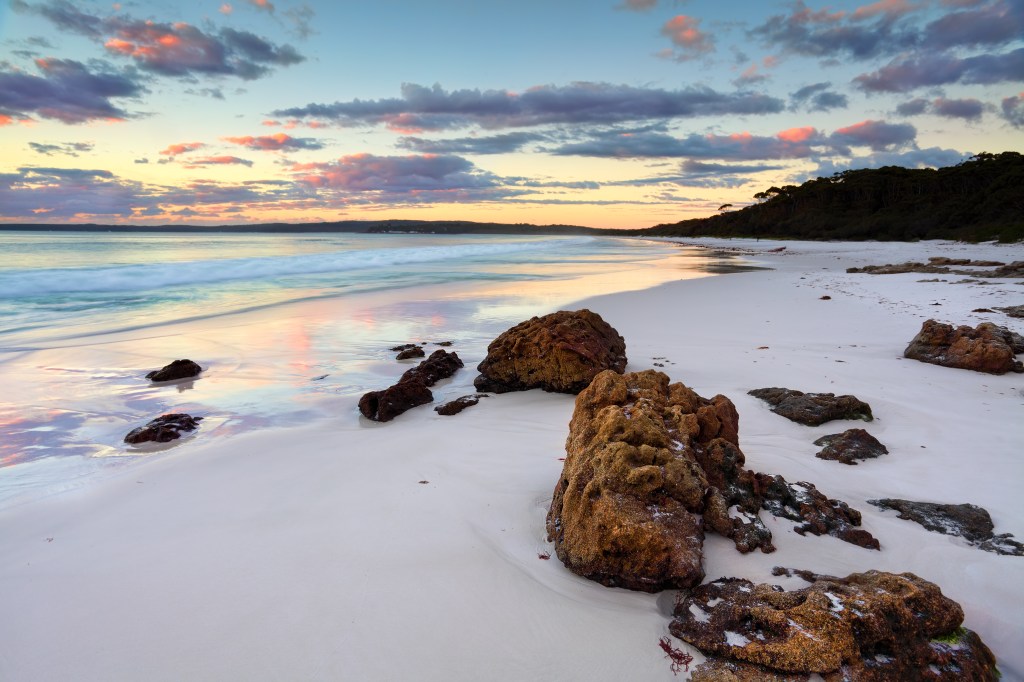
(226, 8)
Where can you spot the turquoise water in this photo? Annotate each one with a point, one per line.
(289, 328)
(56, 286)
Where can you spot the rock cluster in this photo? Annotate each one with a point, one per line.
(179, 369)
(985, 348)
(561, 352)
(849, 446)
(648, 466)
(971, 522)
(941, 265)
(813, 409)
(865, 627)
(163, 429)
(411, 389)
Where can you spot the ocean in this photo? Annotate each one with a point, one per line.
(289, 328)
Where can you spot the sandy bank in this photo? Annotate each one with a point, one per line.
(319, 553)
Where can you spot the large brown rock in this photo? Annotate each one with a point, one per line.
(985, 348)
(561, 352)
(871, 626)
(849, 446)
(649, 467)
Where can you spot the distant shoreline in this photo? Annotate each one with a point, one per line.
(346, 226)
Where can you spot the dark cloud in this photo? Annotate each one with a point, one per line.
(907, 73)
(65, 149)
(204, 161)
(969, 109)
(996, 23)
(421, 108)
(817, 97)
(395, 174)
(275, 142)
(829, 34)
(878, 135)
(171, 49)
(213, 93)
(59, 193)
(496, 144)
(788, 144)
(933, 157)
(142, 160)
(914, 107)
(67, 91)
(888, 27)
(1013, 110)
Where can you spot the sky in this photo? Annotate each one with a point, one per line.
(620, 114)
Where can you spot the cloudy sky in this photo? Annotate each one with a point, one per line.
(609, 114)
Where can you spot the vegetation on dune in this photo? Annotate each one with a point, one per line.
(977, 200)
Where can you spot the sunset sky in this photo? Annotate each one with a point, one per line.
(541, 111)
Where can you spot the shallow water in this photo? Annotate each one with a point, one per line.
(289, 328)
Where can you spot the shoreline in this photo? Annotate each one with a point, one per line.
(315, 552)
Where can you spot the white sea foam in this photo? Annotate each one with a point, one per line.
(127, 278)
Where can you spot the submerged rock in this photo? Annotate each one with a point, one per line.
(865, 627)
(459, 404)
(812, 409)
(410, 353)
(561, 352)
(651, 465)
(411, 389)
(179, 369)
(849, 446)
(163, 429)
(968, 521)
(985, 348)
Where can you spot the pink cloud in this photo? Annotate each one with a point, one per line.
(685, 33)
(275, 142)
(889, 8)
(262, 4)
(226, 8)
(798, 135)
(182, 148)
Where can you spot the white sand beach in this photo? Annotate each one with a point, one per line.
(340, 549)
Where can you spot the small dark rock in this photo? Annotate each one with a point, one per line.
(410, 353)
(971, 522)
(982, 310)
(802, 502)
(383, 406)
(849, 446)
(179, 369)
(459, 404)
(813, 409)
(401, 347)
(443, 344)
(1012, 311)
(163, 429)
(825, 298)
(411, 389)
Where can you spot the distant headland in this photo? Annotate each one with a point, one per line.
(980, 199)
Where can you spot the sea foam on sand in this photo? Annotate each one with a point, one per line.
(416, 550)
